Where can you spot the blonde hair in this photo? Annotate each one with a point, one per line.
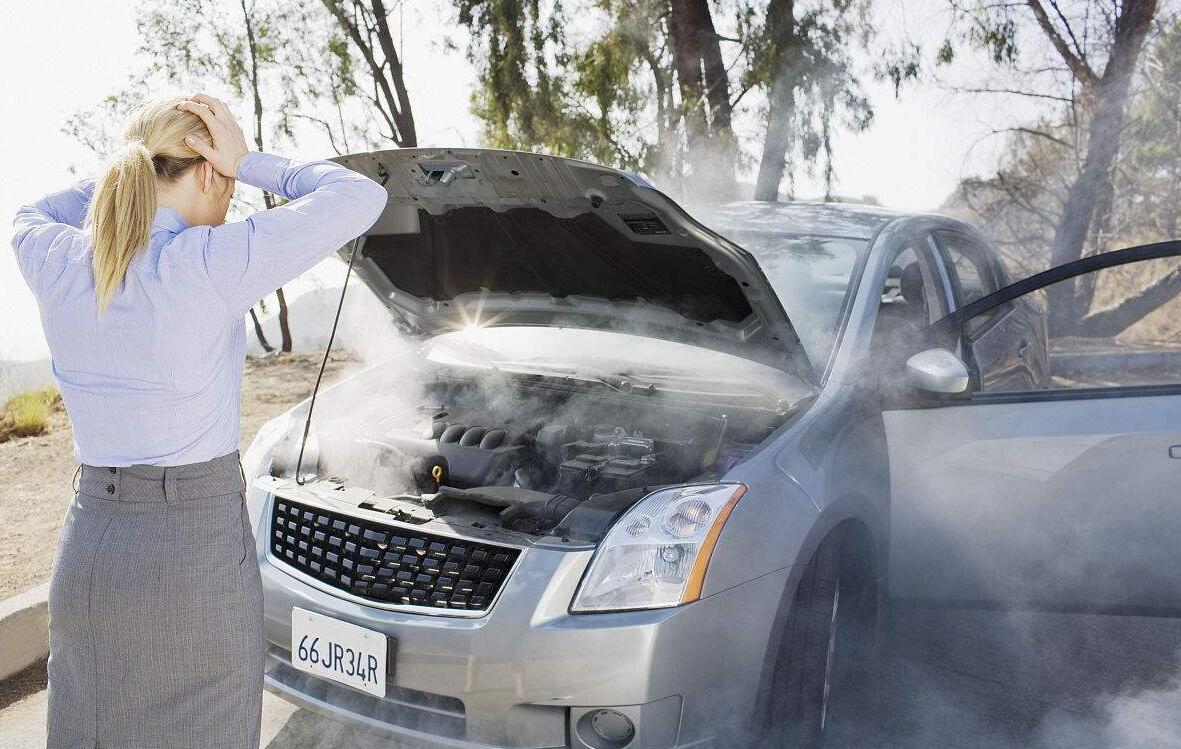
(124, 203)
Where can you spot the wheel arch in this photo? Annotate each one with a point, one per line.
(859, 548)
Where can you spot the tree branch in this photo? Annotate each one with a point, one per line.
(1078, 67)
(1016, 92)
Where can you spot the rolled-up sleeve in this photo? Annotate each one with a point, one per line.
(50, 226)
(329, 205)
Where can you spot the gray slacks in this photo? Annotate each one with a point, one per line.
(155, 606)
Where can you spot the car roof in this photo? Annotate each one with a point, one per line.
(850, 220)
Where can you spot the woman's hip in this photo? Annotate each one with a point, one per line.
(158, 553)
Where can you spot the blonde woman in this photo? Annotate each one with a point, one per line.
(156, 629)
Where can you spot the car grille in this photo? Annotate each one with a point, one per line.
(388, 564)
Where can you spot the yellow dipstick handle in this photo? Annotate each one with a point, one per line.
(437, 475)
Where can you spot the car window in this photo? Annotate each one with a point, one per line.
(970, 265)
(812, 276)
(911, 288)
(1115, 327)
(911, 299)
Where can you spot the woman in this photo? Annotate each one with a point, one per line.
(156, 628)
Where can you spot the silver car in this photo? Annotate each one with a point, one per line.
(648, 480)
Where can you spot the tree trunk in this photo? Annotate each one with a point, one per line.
(705, 98)
(284, 328)
(267, 198)
(773, 163)
(687, 62)
(1111, 322)
(262, 337)
(779, 36)
(1103, 138)
(723, 147)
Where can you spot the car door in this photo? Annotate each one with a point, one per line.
(1062, 492)
(1007, 342)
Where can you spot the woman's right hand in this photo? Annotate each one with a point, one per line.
(229, 144)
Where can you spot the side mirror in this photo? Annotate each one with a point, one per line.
(937, 370)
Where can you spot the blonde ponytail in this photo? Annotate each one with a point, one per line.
(124, 203)
(122, 210)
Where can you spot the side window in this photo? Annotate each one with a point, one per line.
(911, 300)
(974, 269)
(911, 289)
(1115, 327)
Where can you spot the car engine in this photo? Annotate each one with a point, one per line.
(532, 460)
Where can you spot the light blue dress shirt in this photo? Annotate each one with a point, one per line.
(157, 378)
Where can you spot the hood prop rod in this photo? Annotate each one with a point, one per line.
(307, 424)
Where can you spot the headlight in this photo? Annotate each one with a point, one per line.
(656, 555)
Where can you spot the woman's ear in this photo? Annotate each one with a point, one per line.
(206, 177)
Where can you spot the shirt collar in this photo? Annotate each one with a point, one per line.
(168, 220)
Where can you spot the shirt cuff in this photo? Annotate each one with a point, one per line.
(263, 170)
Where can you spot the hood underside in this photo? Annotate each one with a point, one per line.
(474, 237)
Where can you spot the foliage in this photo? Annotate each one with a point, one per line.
(801, 55)
(538, 92)
(616, 94)
(1148, 180)
(27, 414)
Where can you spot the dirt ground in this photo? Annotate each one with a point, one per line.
(36, 472)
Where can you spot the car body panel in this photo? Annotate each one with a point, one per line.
(1032, 504)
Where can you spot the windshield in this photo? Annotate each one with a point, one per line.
(812, 275)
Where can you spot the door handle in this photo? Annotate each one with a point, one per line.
(1175, 452)
(1022, 348)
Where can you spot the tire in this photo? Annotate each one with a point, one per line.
(827, 637)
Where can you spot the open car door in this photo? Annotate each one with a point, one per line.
(1060, 494)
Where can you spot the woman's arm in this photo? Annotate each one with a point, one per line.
(49, 226)
(329, 205)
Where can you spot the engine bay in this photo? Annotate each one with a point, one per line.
(526, 455)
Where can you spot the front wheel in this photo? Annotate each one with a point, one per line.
(827, 637)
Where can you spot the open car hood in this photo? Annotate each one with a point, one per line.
(480, 237)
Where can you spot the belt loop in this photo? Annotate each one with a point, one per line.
(171, 491)
(77, 483)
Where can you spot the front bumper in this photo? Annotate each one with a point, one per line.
(523, 674)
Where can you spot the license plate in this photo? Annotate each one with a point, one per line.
(336, 650)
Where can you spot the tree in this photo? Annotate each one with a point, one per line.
(367, 26)
(1090, 48)
(800, 58)
(659, 86)
(1022, 205)
(655, 61)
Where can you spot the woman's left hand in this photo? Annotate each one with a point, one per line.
(229, 144)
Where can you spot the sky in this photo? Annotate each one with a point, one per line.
(61, 56)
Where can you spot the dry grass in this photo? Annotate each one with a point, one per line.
(27, 414)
